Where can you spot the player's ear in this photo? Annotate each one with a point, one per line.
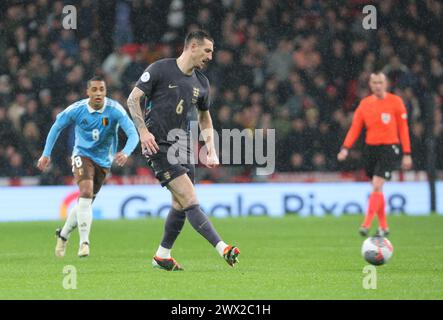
(194, 45)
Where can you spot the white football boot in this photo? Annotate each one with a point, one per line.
(84, 250)
(60, 247)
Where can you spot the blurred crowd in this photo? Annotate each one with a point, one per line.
(300, 67)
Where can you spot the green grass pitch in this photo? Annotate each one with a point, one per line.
(281, 258)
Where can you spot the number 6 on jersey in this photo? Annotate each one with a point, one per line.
(179, 108)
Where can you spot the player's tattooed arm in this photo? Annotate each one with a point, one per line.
(147, 139)
(135, 109)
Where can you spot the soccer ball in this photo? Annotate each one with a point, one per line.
(377, 250)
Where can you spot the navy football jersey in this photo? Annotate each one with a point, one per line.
(170, 96)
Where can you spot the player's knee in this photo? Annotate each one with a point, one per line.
(86, 188)
(377, 186)
(86, 193)
(176, 205)
(189, 200)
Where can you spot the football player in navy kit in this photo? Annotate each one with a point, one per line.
(172, 88)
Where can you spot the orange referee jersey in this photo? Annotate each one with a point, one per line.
(385, 120)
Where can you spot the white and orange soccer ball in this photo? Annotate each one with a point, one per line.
(377, 250)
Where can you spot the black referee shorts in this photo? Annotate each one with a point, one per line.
(164, 171)
(381, 160)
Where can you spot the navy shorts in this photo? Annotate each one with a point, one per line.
(164, 171)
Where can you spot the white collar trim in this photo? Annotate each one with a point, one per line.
(92, 110)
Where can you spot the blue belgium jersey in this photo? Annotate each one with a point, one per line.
(96, 131)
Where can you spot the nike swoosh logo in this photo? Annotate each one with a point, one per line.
(172, 87)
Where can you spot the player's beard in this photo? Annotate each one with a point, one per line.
(203, 64)
(97, 105)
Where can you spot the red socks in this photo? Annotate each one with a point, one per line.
(383, 223)
(376, 205)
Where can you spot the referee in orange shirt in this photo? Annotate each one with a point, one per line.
(384, 116)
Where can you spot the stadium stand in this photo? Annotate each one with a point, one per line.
(297, 66)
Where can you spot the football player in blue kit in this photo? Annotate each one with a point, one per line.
(96, 121)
